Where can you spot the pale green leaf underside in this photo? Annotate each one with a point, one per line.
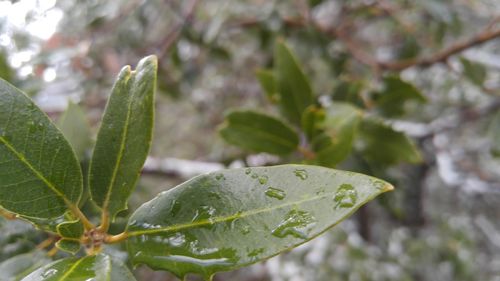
(124, 138)
(39, 173)
(228, 219)
(97, 268)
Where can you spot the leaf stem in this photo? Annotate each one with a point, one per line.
(104, 221)
(111, 239)
(45, 243)
(78, 213)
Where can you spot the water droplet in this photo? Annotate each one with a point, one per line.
(296, 223)
(49, 273)
(245, 230)
(205, 213)
(220, 176)
(248, 171)
(176, 207)
(177, 240)
(301, 174)
(380, 185)
(254, 176)
(263, 179)
(346, 196)
(256, 252)
(275, 193)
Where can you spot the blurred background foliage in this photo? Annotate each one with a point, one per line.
(422, 77)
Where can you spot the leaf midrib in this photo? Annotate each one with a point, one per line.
(72, 269)
(231, 217)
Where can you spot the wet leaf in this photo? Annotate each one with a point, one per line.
(19, 266)
(382, 145)
(124, 138)
(75, 127)
(39, 174)
(98, 268)
(231, 218)
(259, 133)
(340, 126)
(294, 88)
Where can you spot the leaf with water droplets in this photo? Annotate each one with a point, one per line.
(249, 220)
(97, 268)
(124, 138)
(40, 176)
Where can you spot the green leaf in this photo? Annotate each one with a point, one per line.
(474, 71)
(39, 173)
(232, 218)
(70, 229)
(75, 127)
(382, 145)
(259, 133)
(340, 126)
(494, 133)
(312, 119)
(347, 91)
(124, 138)
(97, 268)
(6, 71)
(268, 84)
(19, 266)
(69, 245)
(395, 95)
(294, 88)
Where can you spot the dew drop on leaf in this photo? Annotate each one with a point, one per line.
(263, 179)
(346, 196)
(296, 223)
(220, 176)
(254, 176)
(301, 174)
(248, 171)
(275, 193)
(49, 273)
(176, 207)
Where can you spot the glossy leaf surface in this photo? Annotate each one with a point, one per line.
(75, 127)
(228, 219)
(340, 126)
(39, 173)
(124, 138)
(259, 133)
(19, 266)
(294, 88)
(97, 268)
(382, 145)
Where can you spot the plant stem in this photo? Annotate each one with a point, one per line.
(45, 243)
(78, 213)
(111, 239)
(104, 221)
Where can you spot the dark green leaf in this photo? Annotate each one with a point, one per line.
(268, 84)
(474, 71)
(124, 138)
(395, 95)
(259, 133)
(340, 126)
(70, 229)
(97, 268)
(228, 219)
(69, 245)
(382, 145)
(494, 132)
(17, 267)
(347, 91)
(75, 127)
(294, 89)
(6, 71)
(39, 173)
(312, 119)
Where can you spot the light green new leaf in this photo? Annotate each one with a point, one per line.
(382, 145)
(232, 218)
(17, 267)
(340, 126)
(395, 95)
(474, 71)
(97, 268)
(124, 138)
(75, 127)
(268, 84)
(39, 173)
(294, 88)
(259, 133)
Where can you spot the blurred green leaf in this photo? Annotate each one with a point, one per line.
(294, 88)
(474, 71)
(124, 138)
(349, 91)
(232, 218)
(6, 71)
(392, 99)
(340, 126)
(75, 127)
(268, 84)
(19, 266)
(381, 145)
(259, 133)
(312, 119)
(494, 132)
